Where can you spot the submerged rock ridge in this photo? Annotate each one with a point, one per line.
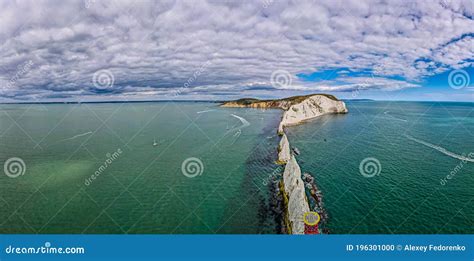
(297, 110)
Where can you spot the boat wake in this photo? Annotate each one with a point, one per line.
(441, 149)
(245, 123)
(76, 136)
(393, 117)
(199, 112)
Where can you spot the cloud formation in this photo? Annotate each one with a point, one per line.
(209, 49)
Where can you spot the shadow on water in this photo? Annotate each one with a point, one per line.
(253, 210)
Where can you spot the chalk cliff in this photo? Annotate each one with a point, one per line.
(284, 152)
(309, 108)
(283, 104)
(297, 109)
(260, 104)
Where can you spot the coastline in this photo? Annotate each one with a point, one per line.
(291, 186)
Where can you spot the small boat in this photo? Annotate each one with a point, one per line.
(155, 143)
(296, 151)
(237, 134)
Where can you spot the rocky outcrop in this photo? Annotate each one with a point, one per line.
(310, 108)
(253, 103)
(294, 188)
(283, 104)
(295, 191)
(298, 109)
(284, 153)
(280, 129)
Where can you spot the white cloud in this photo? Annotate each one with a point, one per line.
(153, 47)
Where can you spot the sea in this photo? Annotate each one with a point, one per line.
(195, 168)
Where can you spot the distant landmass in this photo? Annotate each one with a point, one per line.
(284, 103)
(358, 100)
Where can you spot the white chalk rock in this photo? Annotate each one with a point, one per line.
(310, 108)
(284, 153)
(294, 188)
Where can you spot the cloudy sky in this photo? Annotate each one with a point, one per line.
(94, 50)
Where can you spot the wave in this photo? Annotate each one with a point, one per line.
(441, 149)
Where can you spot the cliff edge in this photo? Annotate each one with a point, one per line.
(297, 108)
(311, 107)
(283, 104)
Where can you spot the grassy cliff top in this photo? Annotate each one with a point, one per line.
(292, 100)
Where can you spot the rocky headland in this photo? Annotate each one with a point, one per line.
(297, 110)
(310, 108)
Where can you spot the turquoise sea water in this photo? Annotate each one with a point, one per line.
(407, 196)
(143, 189)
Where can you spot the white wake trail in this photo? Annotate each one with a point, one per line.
(199, 112)
(77, 136)
(245, 123)
(441, 149)
(393, 117)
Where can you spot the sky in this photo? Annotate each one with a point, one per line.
(93, 50)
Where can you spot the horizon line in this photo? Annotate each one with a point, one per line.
(213, 101)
